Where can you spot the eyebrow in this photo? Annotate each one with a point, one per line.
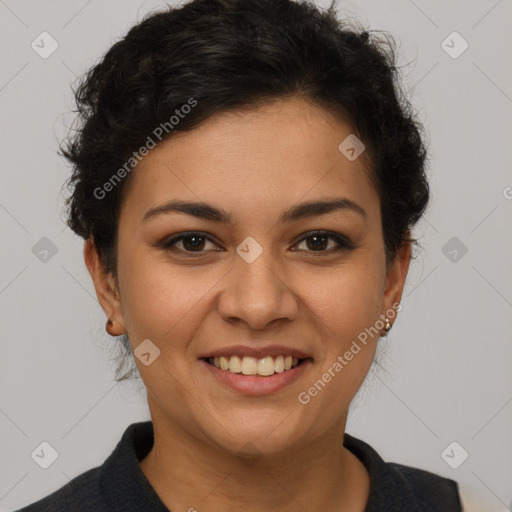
(300, 211)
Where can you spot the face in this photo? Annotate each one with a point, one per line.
(278, 278)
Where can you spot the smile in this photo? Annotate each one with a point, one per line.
(246, 365)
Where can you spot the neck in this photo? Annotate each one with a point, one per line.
(189, 474)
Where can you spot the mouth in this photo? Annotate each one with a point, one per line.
(251, 366)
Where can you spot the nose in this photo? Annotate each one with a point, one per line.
(257, 293)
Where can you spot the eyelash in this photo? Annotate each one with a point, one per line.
(344, 244)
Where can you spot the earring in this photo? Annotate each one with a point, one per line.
(109, 325)
(387, 327)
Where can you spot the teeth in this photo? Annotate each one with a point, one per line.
(264, 367)
(249, 366)
(279, 364)
(235, 364)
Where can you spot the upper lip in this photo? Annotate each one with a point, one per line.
(258, 353)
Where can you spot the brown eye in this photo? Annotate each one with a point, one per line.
(319, 242)
(193, 243)
(190, 243)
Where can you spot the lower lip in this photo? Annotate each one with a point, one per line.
(256, 385)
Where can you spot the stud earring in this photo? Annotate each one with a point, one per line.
(109, 325)
(387, 326)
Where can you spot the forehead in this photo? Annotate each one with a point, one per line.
(279, 153)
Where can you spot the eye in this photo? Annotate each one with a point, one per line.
(193, 242)
(319, 242)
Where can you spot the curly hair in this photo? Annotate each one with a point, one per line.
(221, 55)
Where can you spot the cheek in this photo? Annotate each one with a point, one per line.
(345, 302)
(161, 303)
(344, 310)
(165, 307)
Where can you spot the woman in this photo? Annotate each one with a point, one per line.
(246, 180)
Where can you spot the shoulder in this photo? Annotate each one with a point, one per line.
(395, 487)
(82, 493)
(117, 485)
(428, 491)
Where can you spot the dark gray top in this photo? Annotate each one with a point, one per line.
(120, 485)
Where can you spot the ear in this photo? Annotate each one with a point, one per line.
(106, 288)
(395, 277)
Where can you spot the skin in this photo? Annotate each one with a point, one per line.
(255, 164)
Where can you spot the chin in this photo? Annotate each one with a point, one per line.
(266, 435)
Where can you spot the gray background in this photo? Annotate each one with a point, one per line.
(447, 373)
